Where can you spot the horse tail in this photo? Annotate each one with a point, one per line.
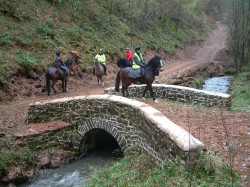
(47, 81)
(117, 81)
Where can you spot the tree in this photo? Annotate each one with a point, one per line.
(239, 22)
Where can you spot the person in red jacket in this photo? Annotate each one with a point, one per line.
(129, 54)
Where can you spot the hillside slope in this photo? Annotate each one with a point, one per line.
(31, 32)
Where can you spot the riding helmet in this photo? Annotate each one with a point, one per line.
(137, 48)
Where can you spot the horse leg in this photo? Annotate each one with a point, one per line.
(52, 86)
(125, 89)
(48, 90)
(152, 94)
(102, 82)
(145, 91)
(65, 85)
(47, 83)
(117, 81)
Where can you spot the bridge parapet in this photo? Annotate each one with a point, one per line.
(136, 126)
(179, 93)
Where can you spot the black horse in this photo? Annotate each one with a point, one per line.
(121, 63)
(54, 74)
(150, 70)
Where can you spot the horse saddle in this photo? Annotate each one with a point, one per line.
(135, 73)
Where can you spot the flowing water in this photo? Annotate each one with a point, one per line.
(75, 174)
(217, 84)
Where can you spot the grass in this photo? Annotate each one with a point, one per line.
(240, 91)
(15, 157)
(198, 82)
(141, 171)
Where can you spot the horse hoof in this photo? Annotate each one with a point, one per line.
(156, 101)
(143, 98)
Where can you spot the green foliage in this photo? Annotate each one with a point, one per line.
(140, 170)
(73, 34)
(2, 73)
(240, 90)
(5, 40)
(197, 82)
(45, 30)
(27, 60)
(14, 156)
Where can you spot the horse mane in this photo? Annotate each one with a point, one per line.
(153, 60)
(68, 62)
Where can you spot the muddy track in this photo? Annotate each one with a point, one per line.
(195, 56)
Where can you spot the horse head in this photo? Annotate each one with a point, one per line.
(68, 62)
(95, 63)
(156, 63)
(119, 62)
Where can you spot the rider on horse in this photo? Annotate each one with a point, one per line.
(100, 57)
(59, 63)
(138, 62)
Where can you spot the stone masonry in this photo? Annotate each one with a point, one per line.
(136, 126)
(179, 93)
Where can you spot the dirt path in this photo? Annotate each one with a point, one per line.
(195, 56)
(216, 128)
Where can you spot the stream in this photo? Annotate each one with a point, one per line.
(217, 84)
(75, 174)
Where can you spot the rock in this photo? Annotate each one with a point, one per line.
(16, 175)
(2, 134)
(44, 162)
(33, 75)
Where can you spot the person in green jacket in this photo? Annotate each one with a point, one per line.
(101, 58)
(138, 62)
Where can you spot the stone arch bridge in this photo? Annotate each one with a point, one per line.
(136, 127)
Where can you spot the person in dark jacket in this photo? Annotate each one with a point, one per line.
(59, 63)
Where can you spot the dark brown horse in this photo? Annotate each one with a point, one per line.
(150, 70)
(99, 72)
(54, 74)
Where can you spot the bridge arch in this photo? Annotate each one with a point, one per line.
(104, 123)
(98, 139)
(136, 126)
